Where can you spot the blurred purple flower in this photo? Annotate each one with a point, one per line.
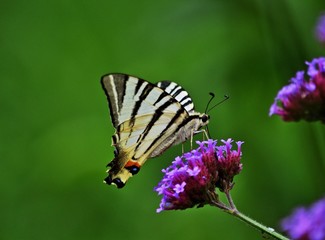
(193, 176)
(303, 99)
(306, 224)
(320, 29)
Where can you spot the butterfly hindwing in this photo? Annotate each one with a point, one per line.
(148, 119)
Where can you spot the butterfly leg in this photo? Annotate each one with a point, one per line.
(192, 133)
(206, 133)
(200, 131)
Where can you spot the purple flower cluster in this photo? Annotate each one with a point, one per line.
(320, 29)
(191, 178)
(303, 99)
(306, 224)
(228, 164)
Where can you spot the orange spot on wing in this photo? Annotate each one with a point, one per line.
(132, 163)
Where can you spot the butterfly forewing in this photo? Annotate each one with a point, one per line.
(123, 94)
(148, 119)
(178, 93)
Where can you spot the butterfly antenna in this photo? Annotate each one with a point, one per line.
(226, 97)
(212, 97)
(206, 109)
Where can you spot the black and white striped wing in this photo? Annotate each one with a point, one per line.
(145, 117)
(177, 92)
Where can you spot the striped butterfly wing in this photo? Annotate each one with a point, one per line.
(147, 119)
(177, 92)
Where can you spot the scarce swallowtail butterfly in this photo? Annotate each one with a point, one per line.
(148, 119)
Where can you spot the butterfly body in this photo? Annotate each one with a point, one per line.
(148, 119)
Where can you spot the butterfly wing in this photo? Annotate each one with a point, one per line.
(145, 116)
(177, 92)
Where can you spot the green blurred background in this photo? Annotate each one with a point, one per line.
(55, 126)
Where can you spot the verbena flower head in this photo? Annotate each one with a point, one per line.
(303, 98)
(191, 178)
(320, 29)
(306, 223)
(228, 164)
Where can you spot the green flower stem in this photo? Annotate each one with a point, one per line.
(257, 225)
(229, 198)
(232, 210)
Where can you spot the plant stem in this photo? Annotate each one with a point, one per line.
(257, 225)
(230, 201)
(232, 210)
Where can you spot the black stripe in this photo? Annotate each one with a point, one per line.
(186, 96)
(176, 86)
(137, 105)
(119, 81)
(164, 84)
(108, 99)
(161, 96)
(186, 103)
(125, 79)
(118, 129)
(177, 115)
(191, 109)
(115, 139)
(177, 92)
(146, 91)
(154, 119)
(185, 100)
(138, 86)
(185, 121)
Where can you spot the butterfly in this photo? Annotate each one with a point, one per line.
(148, 119)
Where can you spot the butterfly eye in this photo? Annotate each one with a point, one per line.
(205, 118)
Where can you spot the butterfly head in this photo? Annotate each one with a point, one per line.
(204, 119)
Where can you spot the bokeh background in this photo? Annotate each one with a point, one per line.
(55, 126)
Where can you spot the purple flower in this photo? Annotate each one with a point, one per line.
(228, 164)
(306, 224)
(191, 178)
(303, 98)
(320, 29)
